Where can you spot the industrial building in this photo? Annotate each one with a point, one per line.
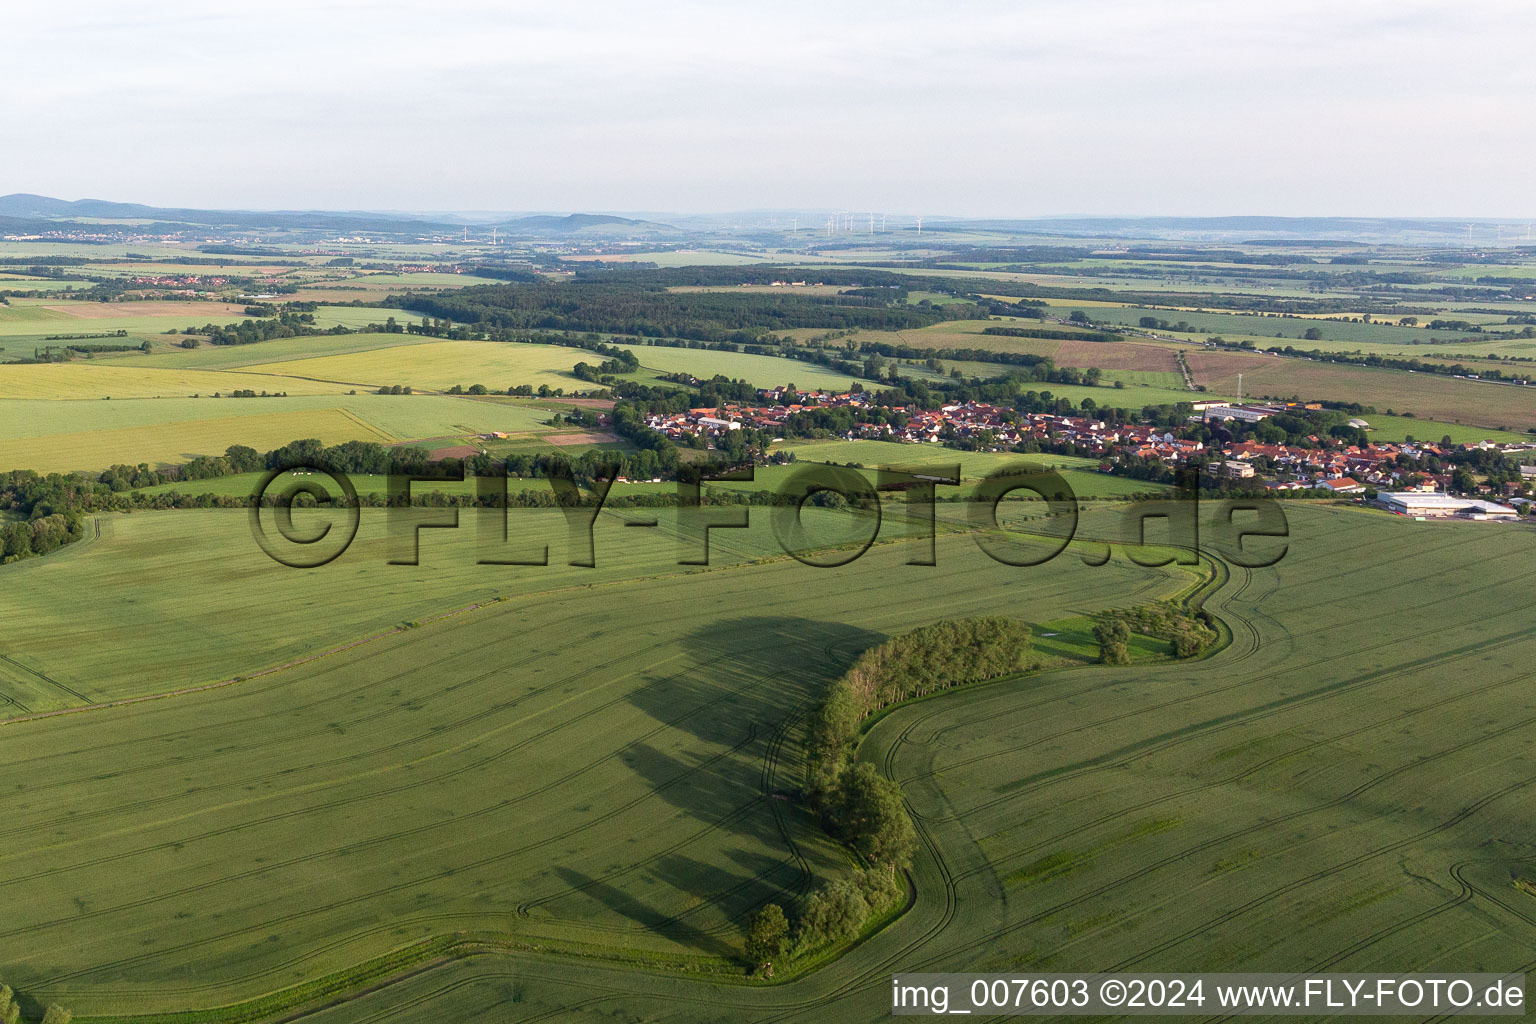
(1443, 506)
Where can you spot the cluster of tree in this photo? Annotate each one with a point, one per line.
(640, 304)
(40, 514)
(620, 360)
(38, 536)
(1046, 332)
(10, 1009)
(836, 912)
(854, 801)
(1189, 632)
(248, 332)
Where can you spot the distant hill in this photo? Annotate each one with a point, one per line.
(548, 223)
(22, 211)
(1238, 228)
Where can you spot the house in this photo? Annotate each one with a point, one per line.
(1343, 485)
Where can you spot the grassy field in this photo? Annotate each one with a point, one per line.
(52, 436)
(35, 319)
(760, 371)
(221, 357)
(657, 738)
(1081, 474)
(1426, 395)
(175, 443)
(1349, 768)
(1398, 428)
(98, 379)
(439, 365)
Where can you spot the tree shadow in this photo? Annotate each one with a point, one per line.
(622, 903)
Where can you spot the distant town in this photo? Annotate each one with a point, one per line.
(1408, 477)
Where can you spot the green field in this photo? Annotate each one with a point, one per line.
(56, 436)
(223, 357)
(439, 365)
(1350, 766)
(759, 371)
(1081, 474)
(29, 320)
(1427, 395)
(105, 379)
(1397, 428)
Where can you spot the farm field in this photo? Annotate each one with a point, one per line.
(1398, 428)
(1257, 817)
(103, 379)
(176, 443)
(40, 318)
(1127, 356)
(227, 357)
(1081, 474)
(668, 747)
(58, 436)
(171, 577)
(1290, 328)
(357, 317)
(439, 365)
(759, 371)
(1427, 396)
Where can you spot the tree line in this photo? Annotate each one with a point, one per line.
(857, 804)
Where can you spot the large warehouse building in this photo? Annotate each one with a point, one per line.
(1440, 506)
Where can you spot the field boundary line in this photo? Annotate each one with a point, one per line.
(385, 435)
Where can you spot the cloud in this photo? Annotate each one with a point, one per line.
(974, 107)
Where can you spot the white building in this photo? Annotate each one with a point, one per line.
(1442, 506)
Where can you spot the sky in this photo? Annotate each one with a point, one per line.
(977, 109)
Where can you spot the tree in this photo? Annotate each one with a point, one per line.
(10, 1013)
(767, 938)
(56, 1014)
(872, 817)
(1113, 636)
(1313, 334)
(834, 913)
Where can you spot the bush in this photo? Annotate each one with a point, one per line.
(767, 937)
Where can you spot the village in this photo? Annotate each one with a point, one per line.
(1391, 474)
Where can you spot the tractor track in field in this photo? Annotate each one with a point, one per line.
(1244, 652)
(931, 846)
(1260, 766)
(330, 805)
(1119, 882)
(1322, 873)
(1169, 740)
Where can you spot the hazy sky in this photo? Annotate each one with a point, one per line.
(972, 108)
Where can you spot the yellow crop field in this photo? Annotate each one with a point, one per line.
(440, 365)
(163, 444)
(107, 380)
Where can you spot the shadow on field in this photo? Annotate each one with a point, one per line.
(625, 905)
(754, 669)
(745, 678)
